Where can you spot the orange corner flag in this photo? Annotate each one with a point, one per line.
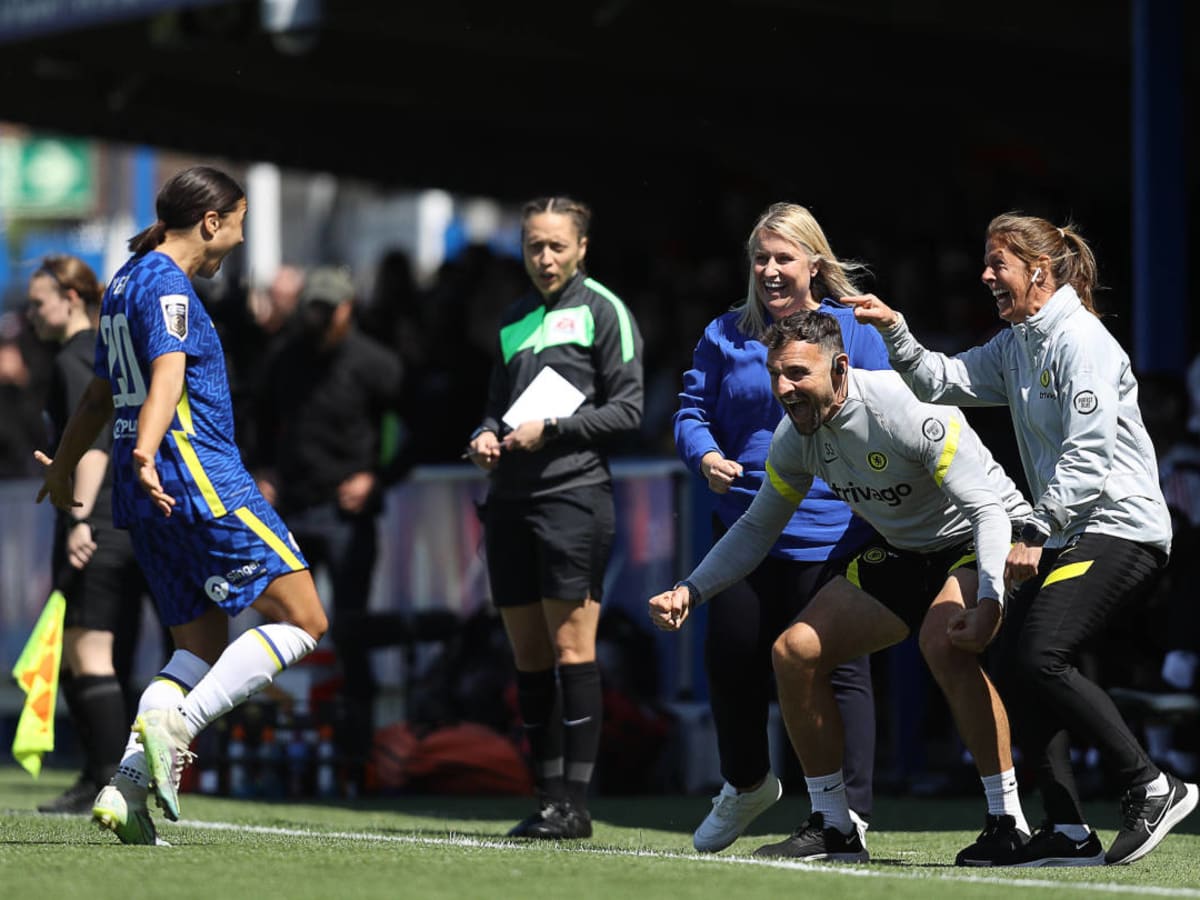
(36, 672)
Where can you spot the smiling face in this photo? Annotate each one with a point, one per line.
(553, 250)
(227, 234)
(802, 380)
(783, 274)
(1011, 282)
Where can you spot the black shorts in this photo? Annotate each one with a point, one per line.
(553, 547)
(106, 594)
(905, 581)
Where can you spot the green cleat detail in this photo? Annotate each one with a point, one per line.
(163, 736)
(130, 823)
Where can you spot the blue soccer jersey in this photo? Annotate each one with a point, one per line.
(150, 308)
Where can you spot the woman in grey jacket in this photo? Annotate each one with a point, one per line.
(1100, 533)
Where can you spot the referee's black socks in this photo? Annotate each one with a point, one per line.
(583, 716)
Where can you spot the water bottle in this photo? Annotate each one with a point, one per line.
(326, 763)
(297, 751)
(239, 779)
(268, 783)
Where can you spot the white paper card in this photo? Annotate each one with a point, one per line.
(549, 395)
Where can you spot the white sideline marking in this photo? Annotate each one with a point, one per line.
(848, 870)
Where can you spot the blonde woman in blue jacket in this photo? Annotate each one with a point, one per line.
(1100, 534)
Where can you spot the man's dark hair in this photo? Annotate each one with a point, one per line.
(810, 325)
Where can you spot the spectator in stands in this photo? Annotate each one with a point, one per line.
(327, 426)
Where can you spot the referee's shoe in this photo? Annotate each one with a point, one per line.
(1147, 819)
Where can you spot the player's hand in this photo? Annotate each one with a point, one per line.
(81, 544)
(870, 310)
(1021, 564)
(58, 486)
(719, 472)
(527, 436)
(973, 629)
(669, 610)
(484, 451)
(147, 475)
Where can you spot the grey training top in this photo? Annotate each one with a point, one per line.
(916, 472)
(1074, 403)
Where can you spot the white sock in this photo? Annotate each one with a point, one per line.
(1158, 787)
(249, 664)
(828, 796)
(1074, 832)
(165, 690)
(1002, 797)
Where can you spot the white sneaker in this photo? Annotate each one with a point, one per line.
(732, 813)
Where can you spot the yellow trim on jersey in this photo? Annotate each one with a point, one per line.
(852, 575)
(271, 650)
(962, 561)
(1062, 573)
(270, 538)
(948, 451)
(785, 490)
(184, 410)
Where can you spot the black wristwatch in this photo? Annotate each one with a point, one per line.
(549, 429)
(1032, 536)
(77, 521)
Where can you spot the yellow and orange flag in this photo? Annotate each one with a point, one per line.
(36, 672)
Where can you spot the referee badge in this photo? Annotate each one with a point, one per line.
(175, 314)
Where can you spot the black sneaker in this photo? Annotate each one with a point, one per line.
(999, 844)
(813, 841)
(558, 820)
(1048, 847)
(1148, 819)
(75, 800)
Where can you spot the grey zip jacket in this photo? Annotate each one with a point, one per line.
(1074, 403)
(916, 472)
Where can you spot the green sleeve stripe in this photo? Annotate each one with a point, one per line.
(622, 316)
(522, 333)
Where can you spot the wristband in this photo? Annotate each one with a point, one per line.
(1032, 536)
(694, 598)
(549, 429)
(480, 430)
(76, 521)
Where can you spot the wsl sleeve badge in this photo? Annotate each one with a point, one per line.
(175, 314)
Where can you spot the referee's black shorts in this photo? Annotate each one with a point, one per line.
(106, 594)
(552, 547)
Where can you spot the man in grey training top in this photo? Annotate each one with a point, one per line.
(945, 511)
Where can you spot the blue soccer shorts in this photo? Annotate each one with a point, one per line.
(227, 561)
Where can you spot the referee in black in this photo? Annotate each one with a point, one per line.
(548, 518)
